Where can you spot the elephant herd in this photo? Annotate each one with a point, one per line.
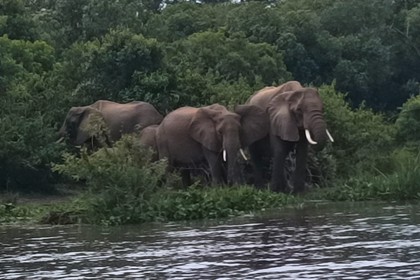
(272, 123)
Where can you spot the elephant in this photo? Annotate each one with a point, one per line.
(296, 120)
(211, 135)
(147, 138)
(104, 122)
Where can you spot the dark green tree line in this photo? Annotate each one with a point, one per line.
(58, 54)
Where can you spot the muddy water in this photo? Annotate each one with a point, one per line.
(323, 241)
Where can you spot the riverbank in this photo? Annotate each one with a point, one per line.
(29, 208)
(122, 185)
(116, 206)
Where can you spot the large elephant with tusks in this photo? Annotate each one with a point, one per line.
(296, 120)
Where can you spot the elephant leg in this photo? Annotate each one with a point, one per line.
(299, 175)
(186, 177)
(216, 168)
(258, 151)
(278, 175)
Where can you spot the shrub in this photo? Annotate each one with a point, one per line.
(27, 134)
(401, 182)
(408, 122)
(363, 139)
(120, 180)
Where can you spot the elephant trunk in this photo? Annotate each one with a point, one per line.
(61, 134)
(232, 160)
(317, 131)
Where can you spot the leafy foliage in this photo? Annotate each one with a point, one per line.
(363, 139)
(408, 122)
(26, 140)
(219, 202)
(124, 186)
(59, 54)
(401, 182)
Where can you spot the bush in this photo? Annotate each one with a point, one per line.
(408, 122)
(27, 134)
(363, 139)
(120, 180)
(400, 183)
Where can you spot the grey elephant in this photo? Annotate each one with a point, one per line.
(213, 135)
(296, 120)
(147, 138)
(104, 122)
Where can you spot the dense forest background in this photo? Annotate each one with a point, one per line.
(55, 54)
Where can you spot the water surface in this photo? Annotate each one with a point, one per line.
(322, 241)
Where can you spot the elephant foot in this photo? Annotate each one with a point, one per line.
(277, 188)
(186, 177)
(298, 186)
(259, 184)
(298, 190)
(262, 187)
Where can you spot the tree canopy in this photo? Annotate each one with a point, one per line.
(55, 54)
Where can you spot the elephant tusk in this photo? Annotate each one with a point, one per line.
(308, 137)
(329, 136)
(224, 155)
(60, 140)
(243, 154)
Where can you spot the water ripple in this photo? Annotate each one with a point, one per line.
(328, 242)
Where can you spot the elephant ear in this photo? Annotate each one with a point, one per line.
(203, 130)
(254, 122)
(295, 99)
(91, 124)
(282, 120)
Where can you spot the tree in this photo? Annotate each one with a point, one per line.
(27, 134)
(16, 21)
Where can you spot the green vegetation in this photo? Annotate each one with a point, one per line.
(401, 183)
(125, 186)
(362, 55)
(41, 211)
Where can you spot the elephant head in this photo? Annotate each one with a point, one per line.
(226, 133)
(297, 113)
(82, 124)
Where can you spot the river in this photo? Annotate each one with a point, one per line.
(318, 241)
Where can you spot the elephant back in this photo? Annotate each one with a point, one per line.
(129, 117)
(263, 97)
(147, 114)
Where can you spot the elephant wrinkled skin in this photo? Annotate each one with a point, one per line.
(104, 122)
(190, 136)
(296, 119)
